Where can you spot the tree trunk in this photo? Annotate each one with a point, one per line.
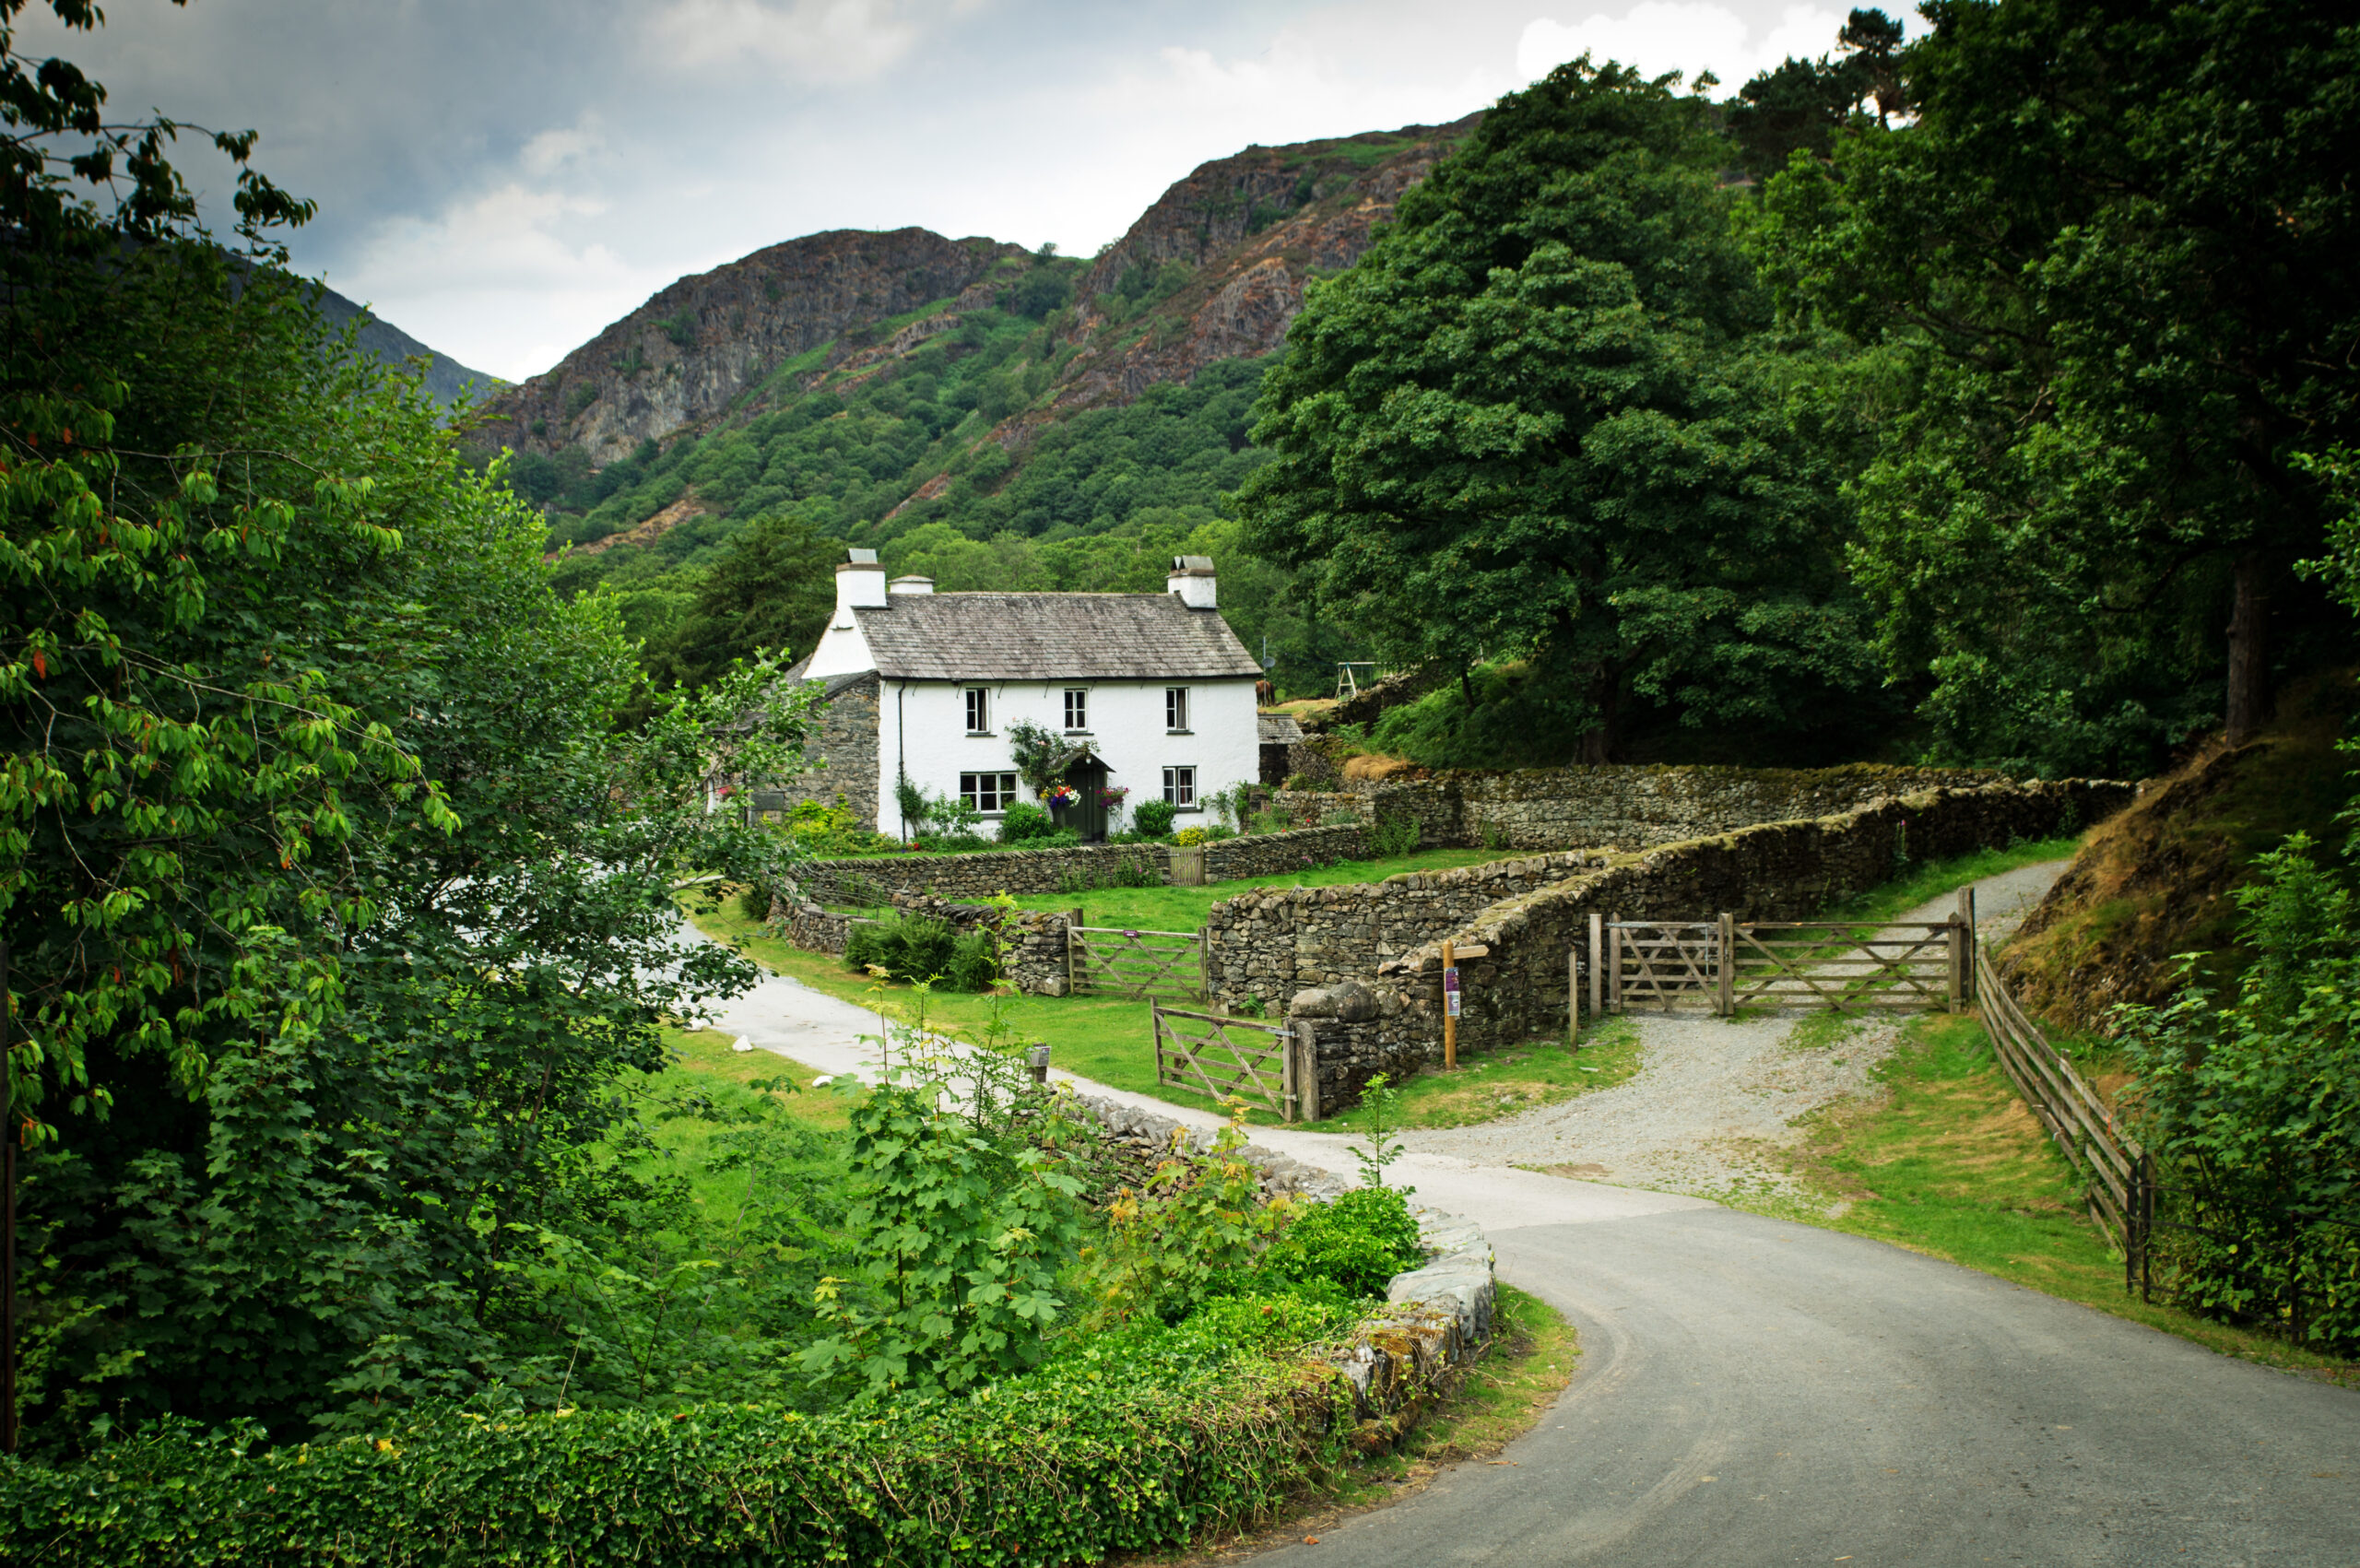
(2248, 697)
(1606, 688)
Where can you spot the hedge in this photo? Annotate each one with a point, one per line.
(1058, 1474)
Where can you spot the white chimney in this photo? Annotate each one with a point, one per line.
(910, 584)
(860, 583)
(1192, 579)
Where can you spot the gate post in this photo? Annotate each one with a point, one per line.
(1596, 966)
(1958, 967)
(1724, 1002)
(1614, 965)
(1966, 913)
(1572, 997)
(1306, 1049)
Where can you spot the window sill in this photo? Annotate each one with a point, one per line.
(980, 734)
(1179, 731)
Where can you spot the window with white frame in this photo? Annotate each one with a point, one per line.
(987, 792)
(1180, 787)
(1176, 707)
(1077, 707)
(979, 711)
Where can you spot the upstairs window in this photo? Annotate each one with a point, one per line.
(1176, 708)
(979, 711)
(1076, 709)
(1180, 787)
(987, 792)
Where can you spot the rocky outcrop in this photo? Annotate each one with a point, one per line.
(683, 358)
(1256, 228)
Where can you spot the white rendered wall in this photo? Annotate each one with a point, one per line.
(923, 724)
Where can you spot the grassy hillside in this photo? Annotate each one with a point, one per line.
(2158, 881)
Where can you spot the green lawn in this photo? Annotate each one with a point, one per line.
(706, 1071)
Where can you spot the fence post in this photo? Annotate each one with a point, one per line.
(1725, 1002)
(1958, 968)
(1614, 961)
(1204, 963)
(1306, 1069)
(1596, 965)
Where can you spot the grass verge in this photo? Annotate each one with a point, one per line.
(1507, 1082)
(1503, 1396)
(1947, 1162)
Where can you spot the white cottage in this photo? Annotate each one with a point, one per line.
(1153, 692)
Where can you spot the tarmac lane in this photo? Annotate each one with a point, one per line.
(1756, 1392)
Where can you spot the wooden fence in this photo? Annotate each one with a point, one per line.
(1141, 966)
(2118, 1177)
(1243, 1058)
(1727, 963)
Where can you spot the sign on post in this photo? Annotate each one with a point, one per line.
(1450, 991)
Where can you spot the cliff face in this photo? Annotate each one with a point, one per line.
(1215, 269)
(1251, 230)
(681, 358)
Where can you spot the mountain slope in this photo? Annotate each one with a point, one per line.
(686, 354)
(445, 377)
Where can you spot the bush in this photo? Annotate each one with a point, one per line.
(975, 962)
(1120, 1452)
(1188, 838)
(910, 947)
(1394, 836)
(1152, 817)
(1024, 820)
(754, 901)
(1344, 816)
(1356, 1245)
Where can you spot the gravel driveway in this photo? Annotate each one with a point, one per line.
(1714, 1099)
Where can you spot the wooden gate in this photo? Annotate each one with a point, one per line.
(1727, 963)
(1241, 1058)
(1103, 960)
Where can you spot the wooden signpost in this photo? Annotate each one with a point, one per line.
(1449, 1007)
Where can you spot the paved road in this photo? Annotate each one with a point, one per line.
(1753, 1392)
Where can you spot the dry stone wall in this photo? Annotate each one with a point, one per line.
(875, 881)
(1777, 871)
(1268, 944)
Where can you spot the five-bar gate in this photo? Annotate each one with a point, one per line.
(1727, 964)
(1141, 966)
(1240, 1059)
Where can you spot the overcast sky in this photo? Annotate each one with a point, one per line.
(501, 178)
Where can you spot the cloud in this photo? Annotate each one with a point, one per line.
(1687, 36)
(818, 40)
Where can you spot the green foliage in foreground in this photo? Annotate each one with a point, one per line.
(2252, 1109)
(1103, 1455)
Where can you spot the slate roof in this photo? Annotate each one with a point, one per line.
(1051, 637)
(1278, 729)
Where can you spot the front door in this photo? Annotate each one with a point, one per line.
(1087, 815)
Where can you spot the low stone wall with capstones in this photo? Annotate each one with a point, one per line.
(1518, 988)
(1267, 945)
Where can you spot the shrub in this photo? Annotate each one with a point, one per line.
(1187, 838)
(1024, 820)
(1357, 1244)
(975, 962)
(911, 947)
(1344, 817)
(1122, 1452)
(754, 901)
(1395, 835)
(1152, 817)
